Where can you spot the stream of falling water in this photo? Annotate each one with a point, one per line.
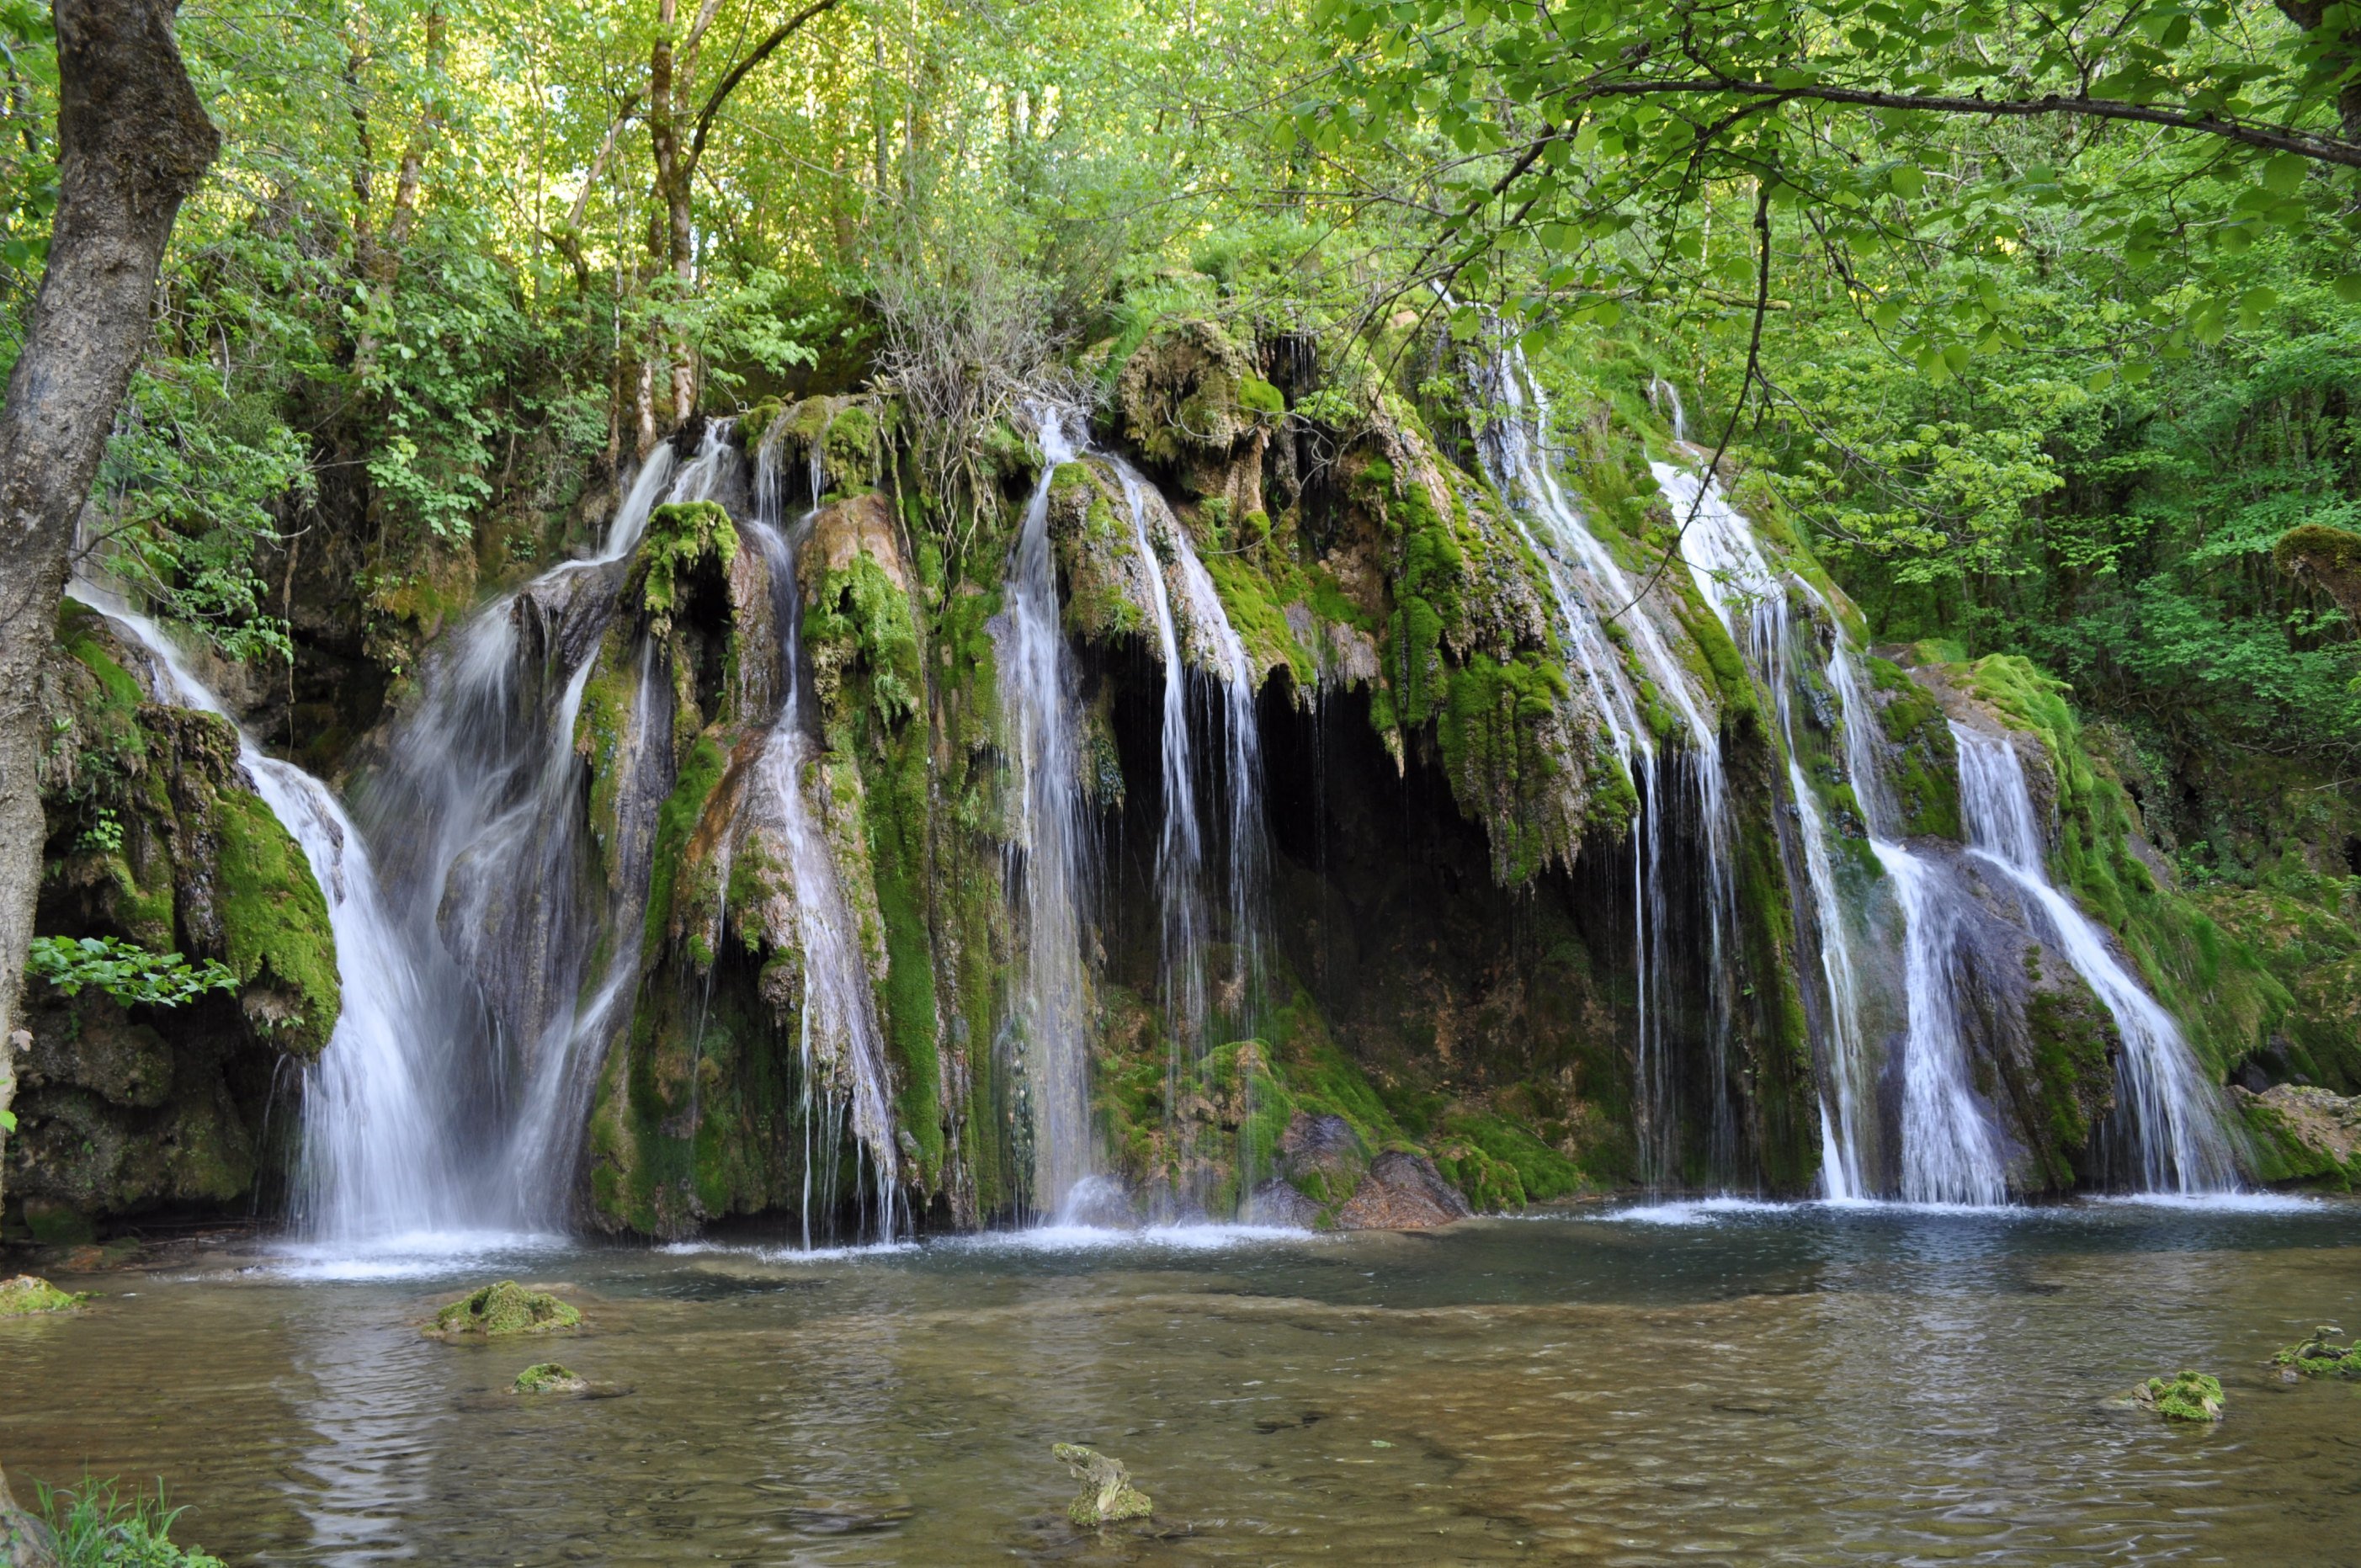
(1050, 855)
(1585, 576)
(841, 1048)
(2166, 1114)
(391, 1166)
(477, 818)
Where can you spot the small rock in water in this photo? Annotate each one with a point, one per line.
(548, 1377)
(2187, 1396)
(28, 1294)
(1276, 1202)
(507, 1308)
(1107, 1494)
(1402, 1192)
(2327, 1353)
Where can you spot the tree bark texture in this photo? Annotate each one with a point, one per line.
(133, 142)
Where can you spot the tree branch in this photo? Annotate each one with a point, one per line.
(762, 51)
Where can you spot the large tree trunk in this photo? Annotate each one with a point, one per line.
(133, 142)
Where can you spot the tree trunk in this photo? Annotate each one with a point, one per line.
(133, 142)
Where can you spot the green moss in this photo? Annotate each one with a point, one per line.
(677, 819)
(1426, 601)
(1499, 1166)
(681, 536)
(275, 921)
(2325, 1354)
(505, 1308)
(2074, 1072)
(1257, 396)
(2330, 556)
(870, 631)
(2185, 1397)
(1926, 773)
(29, 1295)
(1490, 733)
(547, 1377)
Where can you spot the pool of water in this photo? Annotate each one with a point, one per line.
(1713, 1382)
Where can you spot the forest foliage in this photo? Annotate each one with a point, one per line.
(2050, 382)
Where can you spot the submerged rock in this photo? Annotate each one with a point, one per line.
(27, 1295)
(1402, 1192)
(548, 1377)
(2185, 1397)
(1107, 1494)
(2325, 1354)
(506, 1308)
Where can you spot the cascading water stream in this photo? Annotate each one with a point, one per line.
(840, 1046)
(1732, 574)
(2167, 1113)
(476, 813)
(1050, 855)
(377, 1155)
(1950, 1151)
(1584, 576)
(1180, 850)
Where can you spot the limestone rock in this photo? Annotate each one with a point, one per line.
(504, 1308)
(1276, 1202)
(1107, 1494)
(1402, 1192)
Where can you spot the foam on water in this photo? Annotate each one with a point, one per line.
(1206, 1237)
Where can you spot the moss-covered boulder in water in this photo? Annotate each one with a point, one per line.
(2184, 1397)
(2327, 1353)
(1107, 1495)
(547, 1377)
(30, 1294)
(504, 1308)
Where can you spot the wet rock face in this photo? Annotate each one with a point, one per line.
(2308, 1133)
(156, 838)
(1402, 1192)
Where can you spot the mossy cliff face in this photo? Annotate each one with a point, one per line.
(156, 838)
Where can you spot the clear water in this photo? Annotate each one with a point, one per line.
(1718, 1382)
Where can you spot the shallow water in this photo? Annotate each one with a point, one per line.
(1694, 1382)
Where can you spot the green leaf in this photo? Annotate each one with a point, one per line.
(2283, 174)
(1907, 180)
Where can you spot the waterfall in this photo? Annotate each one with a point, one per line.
(841, 1048)
(1732, 573)
(377, 1154)
(1950, 1151)
(478, 816)
(2166, 1111)
(1584, 576)
(1050, 856)
(1179, 848)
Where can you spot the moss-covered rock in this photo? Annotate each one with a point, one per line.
(2328, 556)
(29, 1295)
(1107, 1495)
(505, 1308)
(2184, 1397)
(2327, 1353)
(2302, 1135)
(547, 1377)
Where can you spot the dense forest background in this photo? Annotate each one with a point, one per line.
(2053, 384)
